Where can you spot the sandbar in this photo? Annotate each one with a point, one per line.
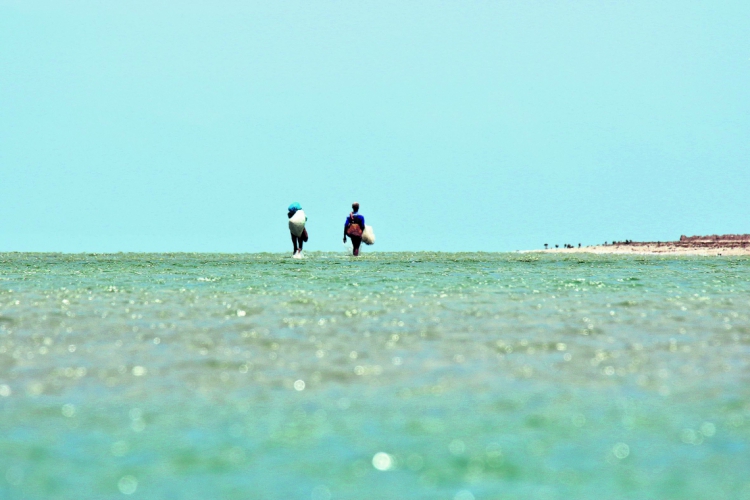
(724, 245)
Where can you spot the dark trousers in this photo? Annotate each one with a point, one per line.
(297, 242)
(356, 242)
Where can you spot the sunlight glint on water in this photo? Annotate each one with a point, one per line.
(392, 376)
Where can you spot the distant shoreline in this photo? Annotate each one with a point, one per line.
(648, 249)
(715, 245)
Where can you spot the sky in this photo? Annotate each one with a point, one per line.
(162, 126)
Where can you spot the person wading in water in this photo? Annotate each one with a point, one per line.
(297, 226)
(353, 227)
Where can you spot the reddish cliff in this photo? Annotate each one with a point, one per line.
(716, 238)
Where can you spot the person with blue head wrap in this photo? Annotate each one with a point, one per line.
(297, 220)
(293, 208)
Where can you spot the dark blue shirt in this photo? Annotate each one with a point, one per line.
(359, 219)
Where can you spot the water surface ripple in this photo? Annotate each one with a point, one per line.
(408, 375)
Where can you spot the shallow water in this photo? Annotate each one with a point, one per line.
(409, 375)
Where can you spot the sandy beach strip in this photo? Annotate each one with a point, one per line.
(660, 248)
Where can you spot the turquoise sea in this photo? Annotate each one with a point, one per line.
(392, 376)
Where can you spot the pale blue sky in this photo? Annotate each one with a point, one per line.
(474, 125)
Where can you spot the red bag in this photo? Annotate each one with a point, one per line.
(304, 235)
(353, 231)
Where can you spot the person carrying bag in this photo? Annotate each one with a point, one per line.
(353, 228)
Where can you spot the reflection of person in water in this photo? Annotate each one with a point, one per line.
(355, 224)
(297, 241)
